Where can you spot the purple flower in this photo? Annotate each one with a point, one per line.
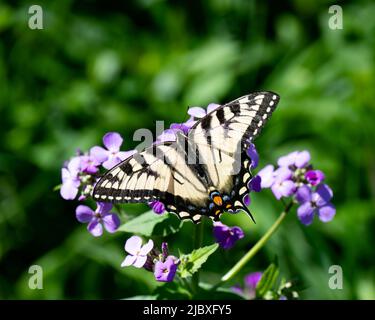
(251, 282)
(184, 127)
(157, 206)
(165, 271)
(112, 155)
(89, 164)
(226, 236)
(314, 177)
(70, 179)
(137, 253)
(253, 155)
(199, 113)
(102, 215)
(267, 176)
(296, 158)
(283, 186)
(167, 135)
(317, 202)
(253, 185)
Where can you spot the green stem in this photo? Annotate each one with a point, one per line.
(261, 242)
(198, 239)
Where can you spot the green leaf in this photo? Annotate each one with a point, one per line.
(150, 223)
(56, 188)
(192, 262)
(267, 281)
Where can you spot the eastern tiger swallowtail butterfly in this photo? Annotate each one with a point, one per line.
(203, 173)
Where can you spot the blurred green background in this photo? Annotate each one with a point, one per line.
(100, 66)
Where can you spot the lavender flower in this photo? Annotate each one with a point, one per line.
(267, 176)
(137, 253)
(315, 203)
(253, 155)
(253, 185)
(283, 185)
(295, 177)
(199, 113)
(249, 289)
(166, 271)
(112, 155)
(70, 179)
(89, 164)
(297, 159)
(227, 236)
(157, 206)
(102, 215)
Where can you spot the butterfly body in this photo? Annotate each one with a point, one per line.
(203, 173)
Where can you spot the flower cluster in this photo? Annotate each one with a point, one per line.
(96, 219)
(80, 174)
(163, 265)
(296, 177)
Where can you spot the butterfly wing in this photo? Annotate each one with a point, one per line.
(182, 173)
(158, 173)
(222, 136)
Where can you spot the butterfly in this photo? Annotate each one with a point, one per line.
(205, 172)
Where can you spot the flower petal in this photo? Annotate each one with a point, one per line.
(303, 194)
(255, 184)
(112, 141)
(111, 162)
(157, 206)
(287, 160)
(84, 214)
(167, 135)
(323, 194)
(99, 154)
(133, 245)
(212, 106)
(305, 213)
(326, 213)
(282, 174)
(252, 279)
(302, 159)
(125, 154)
(69, 190)
(197, 112)
(95, 228)
(111, 222)
(128, 261)
(283, 189)
(140, 261)
(146, 248)
(74, 164)
(103, 207)
(253, 155)
(314, 177)
(266, 175)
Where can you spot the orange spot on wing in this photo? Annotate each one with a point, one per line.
(218, 200)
